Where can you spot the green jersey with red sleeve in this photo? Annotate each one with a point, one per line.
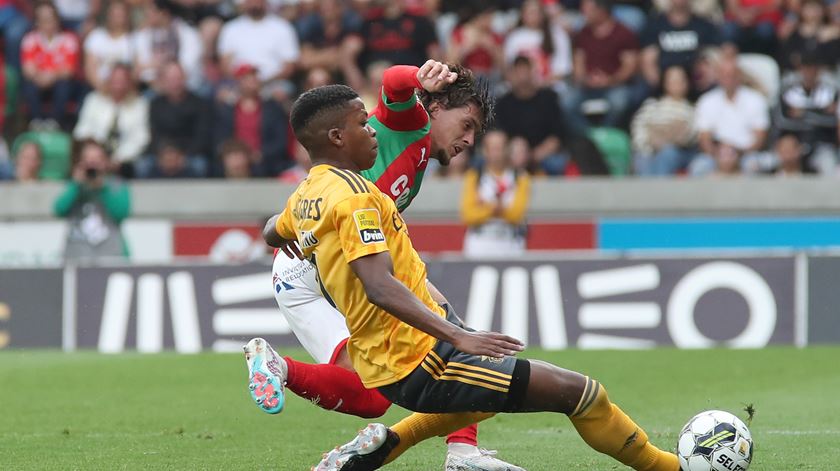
(402, 127)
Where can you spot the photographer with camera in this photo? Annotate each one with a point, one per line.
(95, 203)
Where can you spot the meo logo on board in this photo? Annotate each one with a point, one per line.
(369, 225)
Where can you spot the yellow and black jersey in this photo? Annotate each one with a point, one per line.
(337, 217)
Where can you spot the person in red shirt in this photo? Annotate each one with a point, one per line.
(49, 59)
(475, 45)
(606, 59)
(260, 123)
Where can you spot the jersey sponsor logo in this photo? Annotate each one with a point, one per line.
(369, 225)
(422, 157)
(308, 239)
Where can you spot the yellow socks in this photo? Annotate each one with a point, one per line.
(417, 427)
(607, 429)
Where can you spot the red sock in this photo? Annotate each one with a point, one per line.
(467, 435)
(334, 388)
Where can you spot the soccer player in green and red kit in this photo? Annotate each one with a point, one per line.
(431, 112)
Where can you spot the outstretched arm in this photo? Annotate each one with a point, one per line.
(376, 274)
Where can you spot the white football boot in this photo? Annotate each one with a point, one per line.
(367, 451)
(266, 375)
(481, 460)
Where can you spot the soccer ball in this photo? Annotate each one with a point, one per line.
(715, 441)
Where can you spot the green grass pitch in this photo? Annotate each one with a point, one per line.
(91, 411)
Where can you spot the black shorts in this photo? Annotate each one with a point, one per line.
(449, 380)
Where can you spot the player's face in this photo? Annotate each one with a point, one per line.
(359, 137)
(453, 131)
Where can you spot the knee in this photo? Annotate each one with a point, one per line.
(375, 406)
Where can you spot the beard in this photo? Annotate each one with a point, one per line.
(443, 158)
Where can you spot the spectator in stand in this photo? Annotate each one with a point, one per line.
(295, 174)
(78, 15)
(732, 115)
(390, 34)
(751, 24)
(372, 88)
(675, 38)
(171, 162)
(324, 34)
(264, 41)
(541, 37)
(709, 10)
(531, 112)
(180, 117)
(236, 161)
(494, 201)
(50, 58)
(811, 33)
(476, 46)
(25, 164)
(727, 161)
(789, 155)
(95, 203)
(208, 17)
(606, 59)
(166, 38)
(118, 118)
(109, 44)
(663, 130)
(260, 123)
(808, 107)
(14, 23)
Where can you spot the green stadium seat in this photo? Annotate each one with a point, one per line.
(614, 145)
(55, 149)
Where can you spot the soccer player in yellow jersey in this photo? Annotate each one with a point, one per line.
(414, 351)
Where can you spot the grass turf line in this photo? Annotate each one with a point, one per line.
(91, 411)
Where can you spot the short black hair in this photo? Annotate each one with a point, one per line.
(317, 102)
(466, 89)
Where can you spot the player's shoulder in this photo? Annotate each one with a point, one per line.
(340, 184)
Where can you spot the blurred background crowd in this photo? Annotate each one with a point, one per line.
(202, 88)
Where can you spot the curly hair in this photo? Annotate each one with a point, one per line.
(467, 89)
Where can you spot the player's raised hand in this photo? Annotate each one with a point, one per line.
(491, 344)
(434, 76)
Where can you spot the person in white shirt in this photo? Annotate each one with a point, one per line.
(108, 44)
(118, 118)
(541, 37)
(265, 41)
(731, 114)
(164, 39)
(494, 201)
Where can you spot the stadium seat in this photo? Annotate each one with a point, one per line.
(55, 149)
(614, 145)
(765, 73)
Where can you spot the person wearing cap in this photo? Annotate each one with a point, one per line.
(260, 123)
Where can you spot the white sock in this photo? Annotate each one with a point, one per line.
(463, 450)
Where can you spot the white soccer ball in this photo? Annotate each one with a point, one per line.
(715, 441)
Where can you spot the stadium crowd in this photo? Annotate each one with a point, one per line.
(202, 88)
